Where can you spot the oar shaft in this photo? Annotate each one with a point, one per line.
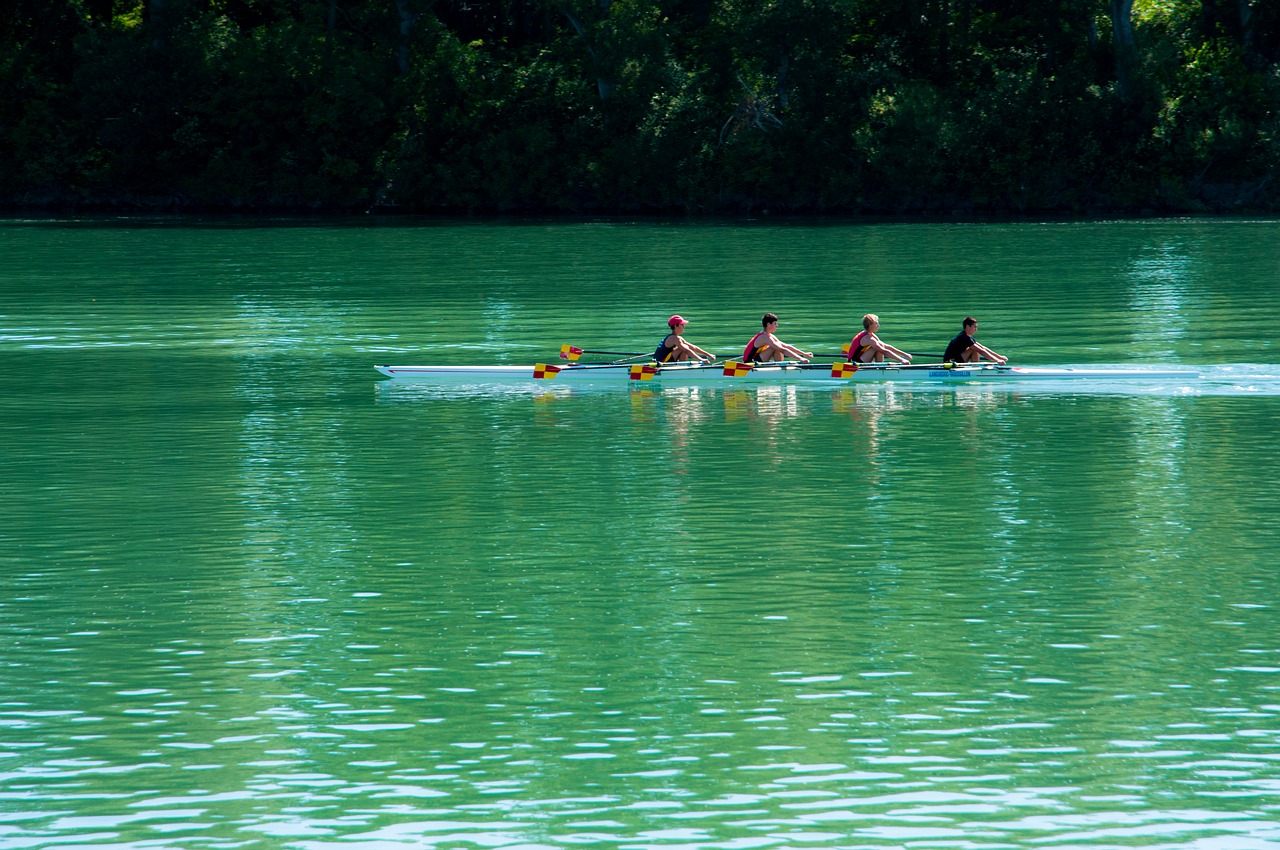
(842, 356)
(824, 356)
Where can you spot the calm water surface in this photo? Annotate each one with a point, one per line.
(255, 596)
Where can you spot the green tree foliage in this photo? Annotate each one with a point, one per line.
(642, 105)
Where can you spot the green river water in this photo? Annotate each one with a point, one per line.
(252, 595)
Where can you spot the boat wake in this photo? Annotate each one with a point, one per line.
(1239, 379)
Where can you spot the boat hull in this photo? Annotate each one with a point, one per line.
(820, 375)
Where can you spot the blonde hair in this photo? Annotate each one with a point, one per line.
(869, 320)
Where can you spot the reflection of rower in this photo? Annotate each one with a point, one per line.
(765, 347)
(674, 347)
(965, 349)
(866, 347)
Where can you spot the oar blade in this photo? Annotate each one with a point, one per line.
(843, 370)
(573, 352)
(545, 372)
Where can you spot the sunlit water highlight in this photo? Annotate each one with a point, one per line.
(257, 596)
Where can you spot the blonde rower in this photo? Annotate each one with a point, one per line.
(866, 347)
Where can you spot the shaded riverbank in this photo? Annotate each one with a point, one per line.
(696, 108)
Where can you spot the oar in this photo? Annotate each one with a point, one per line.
(985, 364)
(548, 371)
(896, 365)
(735, 368)
(572, 352)
(845, 354)
(646, 371)
(797, 364)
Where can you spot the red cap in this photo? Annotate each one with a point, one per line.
(677, 320)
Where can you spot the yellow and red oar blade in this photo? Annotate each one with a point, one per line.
(643, 372)
(542, 370)
(844, 349)
(570, 352)
(843, 370)
(736, 369)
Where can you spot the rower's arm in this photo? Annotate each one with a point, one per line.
(901, 355)
(698, 351)
(989, 354)
(797, 353)
(789, 349)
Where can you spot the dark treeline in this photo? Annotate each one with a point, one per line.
(599, 106)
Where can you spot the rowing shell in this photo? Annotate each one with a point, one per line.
(732, 373)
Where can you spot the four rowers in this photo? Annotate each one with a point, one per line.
(865, 347)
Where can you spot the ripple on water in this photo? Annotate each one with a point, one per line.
(254, 594)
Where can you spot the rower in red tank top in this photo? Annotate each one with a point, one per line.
(765, 347)
(866, 347)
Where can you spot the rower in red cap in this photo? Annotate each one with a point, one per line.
(674, 347)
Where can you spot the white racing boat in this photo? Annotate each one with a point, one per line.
(732, 373)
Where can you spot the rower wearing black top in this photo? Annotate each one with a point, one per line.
(674, 347)
(965, 349)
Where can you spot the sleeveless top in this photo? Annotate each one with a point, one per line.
(751, 353)
(856, 347)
